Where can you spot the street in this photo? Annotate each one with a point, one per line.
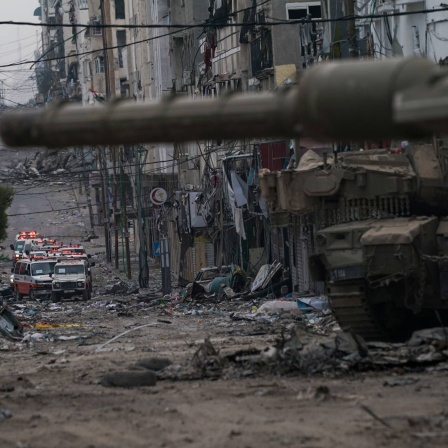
(59, 385)
(223, 223)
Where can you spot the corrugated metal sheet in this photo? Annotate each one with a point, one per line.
(274, 155)
(311, 248)
(292, 256)
(201, 255)
(281, 246)
(275, 252)
(210, 254)
(189, 262)
(299, 254)
(302, 245)
(305, 264)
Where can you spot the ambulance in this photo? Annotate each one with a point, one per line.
(24, 242)
(33, 278)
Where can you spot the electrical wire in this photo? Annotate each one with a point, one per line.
(100, 51)
(209, 23)
(206, 25)
(56, 46)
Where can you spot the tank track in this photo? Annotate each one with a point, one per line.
(354, 314)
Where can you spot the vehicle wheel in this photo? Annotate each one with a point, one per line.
(55, 297)
(19, 296)
(86, 294)
(32, 294)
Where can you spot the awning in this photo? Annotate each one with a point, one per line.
(38, 12)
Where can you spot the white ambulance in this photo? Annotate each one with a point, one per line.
(33, 278)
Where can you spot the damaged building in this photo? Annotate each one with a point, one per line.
(213, 213)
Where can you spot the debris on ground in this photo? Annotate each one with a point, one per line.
(130, 379)
(302, 352)
(10, 327)
(279, 307)
(154, 364)
(5, 414)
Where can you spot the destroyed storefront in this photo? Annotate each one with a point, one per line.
(224, 223)
(228, 222)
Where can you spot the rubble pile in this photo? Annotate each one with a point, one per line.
(303, 352)
(55, 163)
(308, 339)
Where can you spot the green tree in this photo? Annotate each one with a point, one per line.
(6, 196)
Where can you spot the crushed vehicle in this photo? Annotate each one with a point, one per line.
(10, 327)
(71, 277)
(206, 275)
(236, 280)
(228, 281)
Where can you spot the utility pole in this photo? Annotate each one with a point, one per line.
(88, 196)
(245, 52)
(116, 215)
(351, 29)
(105, 210)
(109, 74)
(221, 237)
(165, 263)
(124, 216)
(143, 276)
(109, 64)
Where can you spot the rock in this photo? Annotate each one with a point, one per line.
(351, 344)
(428, 336)
(20, 168)
(279, 307)
(129, 379)
(59, 171)
(34, 172)
(133, 288)
(5, 413)
(154, 364)
(117, 288)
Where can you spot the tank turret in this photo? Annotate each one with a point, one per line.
(380, 226)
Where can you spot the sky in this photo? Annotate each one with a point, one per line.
(18, 43)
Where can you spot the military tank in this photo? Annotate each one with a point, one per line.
(378, 219)
(381, 233)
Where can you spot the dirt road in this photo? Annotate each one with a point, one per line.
(52, 387)
(52, 392)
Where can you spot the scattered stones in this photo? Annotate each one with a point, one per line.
(133, 288)
(117, 288)
(5, 414)
(34, 172)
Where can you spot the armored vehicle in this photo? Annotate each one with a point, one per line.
(380, 228)
(377, 219)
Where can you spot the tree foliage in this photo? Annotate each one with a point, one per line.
(6, 196)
